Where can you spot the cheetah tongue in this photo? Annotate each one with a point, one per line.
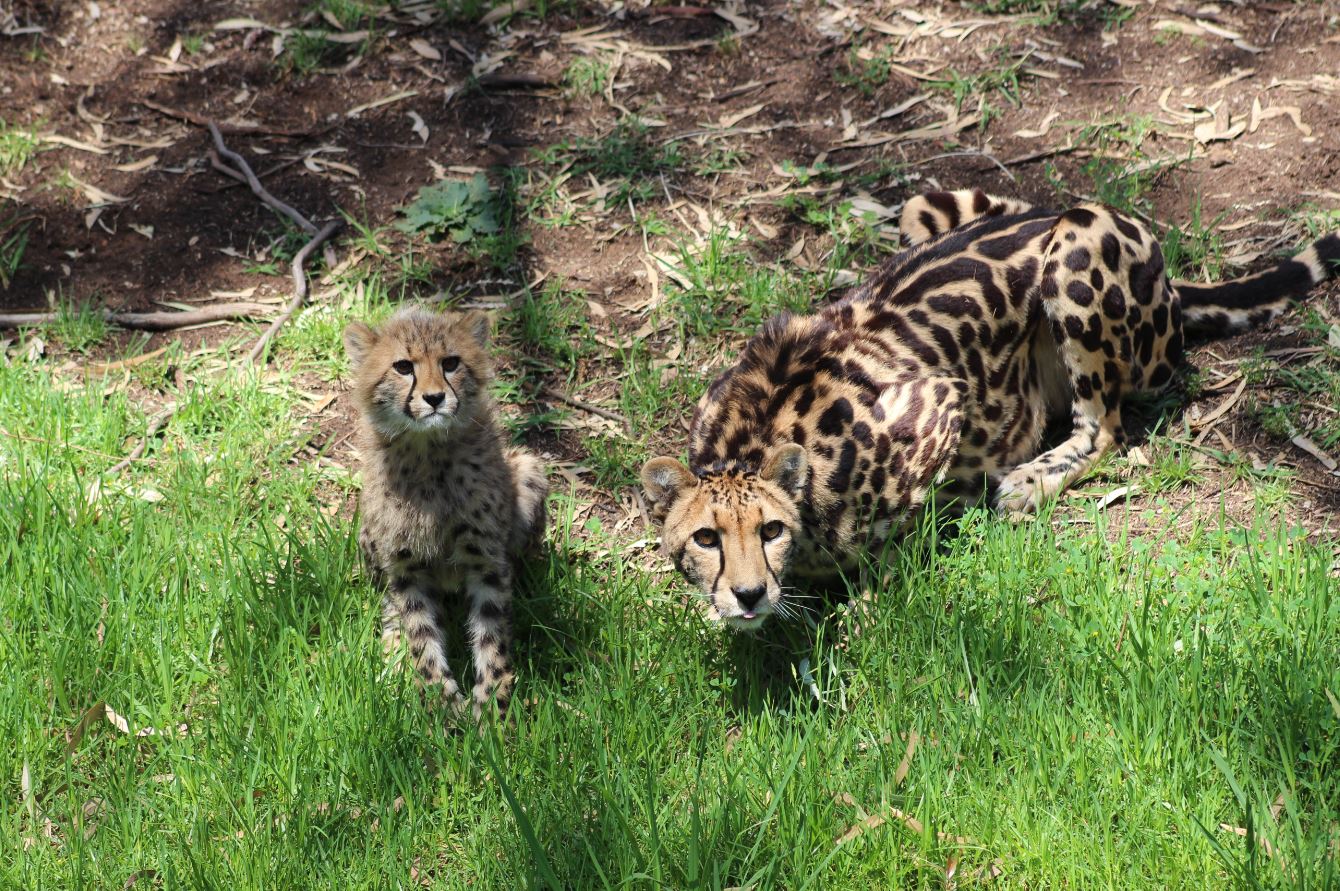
(749, 615)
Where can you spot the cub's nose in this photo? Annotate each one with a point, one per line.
(434, 399)
(749, 597)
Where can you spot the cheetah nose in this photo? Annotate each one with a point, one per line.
(749, 597)
(434, 399)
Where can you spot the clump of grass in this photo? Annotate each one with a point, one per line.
(867, 70)
(307, 49)
(1005, 79)
(80, 327)
(18, 144)
(586, 76)
(551, 325)
(1194, 249)
(14, 228)
(627, 160)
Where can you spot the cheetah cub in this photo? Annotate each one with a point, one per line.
(447, 505)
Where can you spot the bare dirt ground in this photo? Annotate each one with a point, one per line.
(775, 110)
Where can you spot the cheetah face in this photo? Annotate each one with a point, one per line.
(418, 373)
(732, 533)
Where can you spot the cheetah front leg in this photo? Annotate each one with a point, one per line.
(1025, 488)
(419, 612)
(490, 595)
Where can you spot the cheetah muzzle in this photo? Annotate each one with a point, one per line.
(936, 378)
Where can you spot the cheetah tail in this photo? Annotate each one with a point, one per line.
(532, 488)
(1234, 306)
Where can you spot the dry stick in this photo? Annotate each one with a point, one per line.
(587, 407)
(240, 179)
(318, 238)
(244, 168)
(149, 321)
(156, 423)
(203, 121)
(1034, 156)
(244, 173)
(521, 80)
(299, 287)
(974, 153)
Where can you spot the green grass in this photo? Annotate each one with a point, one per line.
(18, 144)
(307, 48)
(1005, 80)
(867, 70)
(1193, 249)
(1291, 397)
(14, 230)
(628, 160)
(586, 76)
(1089, 708)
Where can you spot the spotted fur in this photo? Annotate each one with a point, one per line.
(447, 506)
(941, 370)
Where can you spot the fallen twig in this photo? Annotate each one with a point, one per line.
(240, 165)
(148, 321)
(240, 179)
(1034, 156)
(242, 169)
(587, 407)
(745, 88)
(202, 121)
(156, 423)
(976, 153)
(299, 287)
(503, 81)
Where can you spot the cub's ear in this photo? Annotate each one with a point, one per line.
(663, 479)
(787, 466)
(358, 341)
(477, 323)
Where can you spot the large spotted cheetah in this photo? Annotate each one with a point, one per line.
(447, 505)
(944, 367)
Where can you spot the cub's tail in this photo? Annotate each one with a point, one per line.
(532, 488)
(1234, 306)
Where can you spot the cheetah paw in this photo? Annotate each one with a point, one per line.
(1018, 496)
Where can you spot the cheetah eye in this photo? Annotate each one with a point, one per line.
(706, 538)
(450, 364)
(404, 366)
(771, 530)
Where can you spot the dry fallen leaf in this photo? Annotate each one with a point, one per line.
(136, 166)
(418, 126)
(503, 10)
(94, 194)
(730, 120)
(425, 49)
(1042, 129)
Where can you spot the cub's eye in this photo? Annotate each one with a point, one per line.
(404, 366)
(450, 364)
(771, 530)
(706, 538)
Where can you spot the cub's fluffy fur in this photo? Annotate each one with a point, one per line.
(447, 505)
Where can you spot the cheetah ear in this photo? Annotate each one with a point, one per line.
(477, 323)
(358, 341)
(788, 466)
(663, 479)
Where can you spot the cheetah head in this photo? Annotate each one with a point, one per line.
(419, 372)
(731, 533)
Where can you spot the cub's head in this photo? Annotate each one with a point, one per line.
(419, 371)
(731, 533)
